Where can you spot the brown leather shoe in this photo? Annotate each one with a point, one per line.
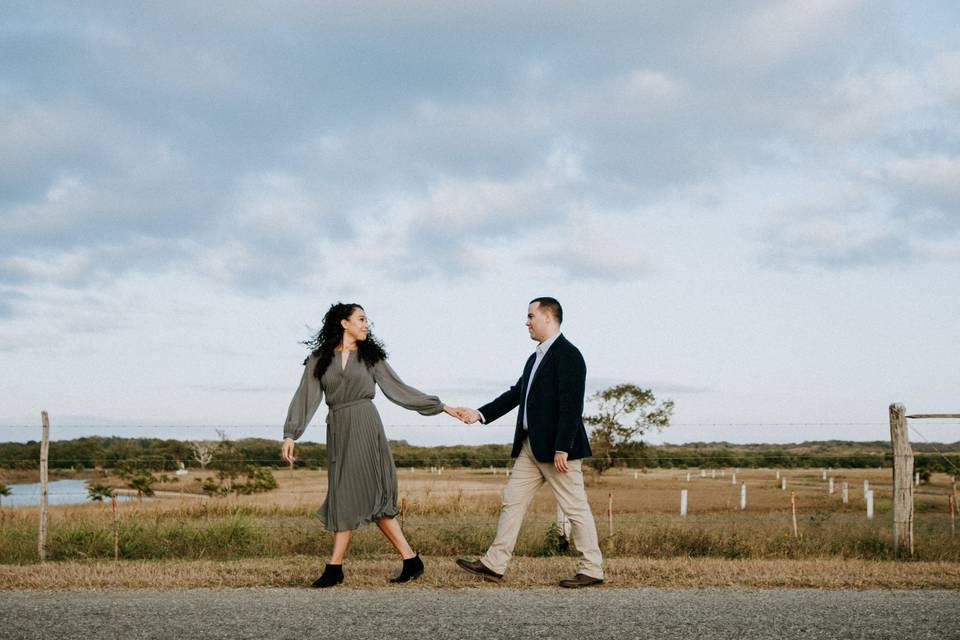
(480, 569)
(580, 580)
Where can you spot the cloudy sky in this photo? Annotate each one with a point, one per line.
(752, 208)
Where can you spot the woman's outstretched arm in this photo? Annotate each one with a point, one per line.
(304, 403)
(406, 396)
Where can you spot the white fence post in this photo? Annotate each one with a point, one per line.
(846, 493)
(683, 503)
(830, 487)
(743, 496)
(869, 505)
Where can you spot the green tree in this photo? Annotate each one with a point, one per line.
(97, 492)
(4, 491)
(142, 483)
(625, 412)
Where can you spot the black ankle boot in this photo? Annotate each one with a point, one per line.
(412, 568)
(332, 576)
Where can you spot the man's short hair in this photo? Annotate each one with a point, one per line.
(552, 305)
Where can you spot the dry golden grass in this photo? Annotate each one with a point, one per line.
(656, 491)
(456, 513)
(672, 573)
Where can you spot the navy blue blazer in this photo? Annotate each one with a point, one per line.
(555, 405)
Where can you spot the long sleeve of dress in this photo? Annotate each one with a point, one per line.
(403, 394)
(304, 403)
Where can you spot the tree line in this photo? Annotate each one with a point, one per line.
(165, 455)
(624, 414)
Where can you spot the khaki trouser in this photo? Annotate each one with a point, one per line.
(527, 476)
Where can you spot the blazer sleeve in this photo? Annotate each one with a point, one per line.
(506, 401)
(304, 403)
(403, 394)
(572, 378)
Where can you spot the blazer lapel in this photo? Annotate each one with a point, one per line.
(546, 359)
(526, 376)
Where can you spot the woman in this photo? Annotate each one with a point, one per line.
(345, 364)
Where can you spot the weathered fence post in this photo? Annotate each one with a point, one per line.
(610, 512)
(733, 478)
(846, 493)
(743, 496)
(783, 483)
(866, 487)
(830, 487)
(683, 503)
(952, 507)
(793, 510)
(869, 499)
(688, 476)
(116, 528)
(44, 452)
(902, 481)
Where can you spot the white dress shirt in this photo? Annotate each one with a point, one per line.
(542, 349)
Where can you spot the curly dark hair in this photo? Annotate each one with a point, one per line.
(370, 351)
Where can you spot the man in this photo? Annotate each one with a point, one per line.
(549, 443)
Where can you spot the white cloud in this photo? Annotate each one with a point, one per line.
(937, 175)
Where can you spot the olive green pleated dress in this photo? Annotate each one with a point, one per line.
(362, 478)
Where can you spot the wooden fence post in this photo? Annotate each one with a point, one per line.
(830, 486)
(44, 453)
(793, 510)
(610, 512)
(743, 496)
(952, 507)
(846, 493)
(116, 528)
(866, 487)
(783, 483)
(902, 482)
(869, 499)
(733, 478)
(683, 503)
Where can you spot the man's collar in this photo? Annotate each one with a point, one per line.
(546, 344)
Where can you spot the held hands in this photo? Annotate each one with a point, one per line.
(456, 412)
(464, 414)
(470, 416)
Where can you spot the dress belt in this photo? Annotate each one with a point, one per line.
(331, 409)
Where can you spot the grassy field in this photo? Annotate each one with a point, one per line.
(454, 513)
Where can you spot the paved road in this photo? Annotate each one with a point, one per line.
(480, 613)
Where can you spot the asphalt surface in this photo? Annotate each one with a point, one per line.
(431, 614)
